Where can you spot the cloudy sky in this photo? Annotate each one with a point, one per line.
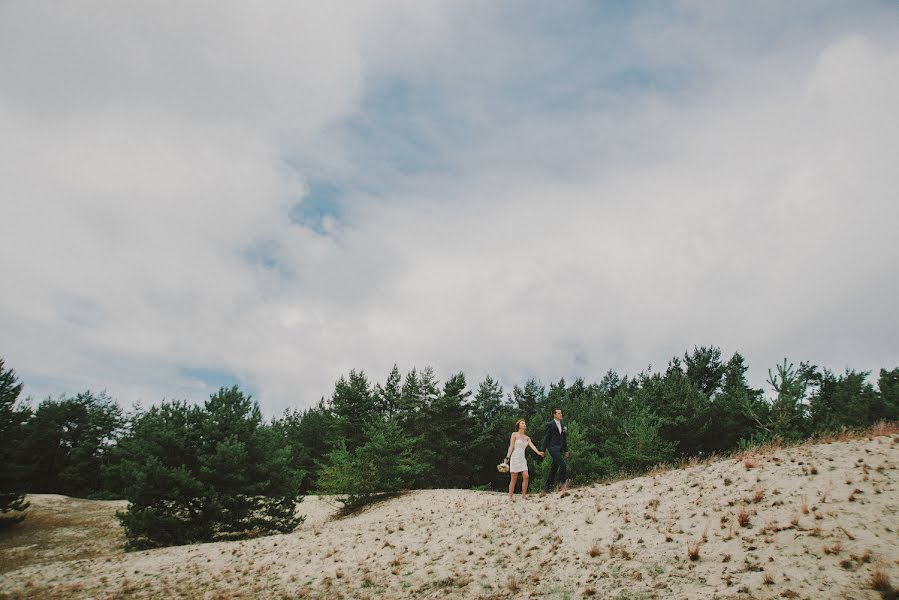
(203, 193)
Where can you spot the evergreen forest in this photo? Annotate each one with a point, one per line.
(216, 469)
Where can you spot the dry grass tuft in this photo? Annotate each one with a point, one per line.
(880, 581)
(743, 518)
(693, 550)
(834, 548)
(594, 550)
(886, 428)
(619, 550)
(513, 585)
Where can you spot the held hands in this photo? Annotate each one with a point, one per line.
(541, 454)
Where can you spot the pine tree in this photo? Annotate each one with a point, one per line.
(888, 388)
(789, 409)
(845, 401)
(449, 436)
(248, 474)
(159, 459)
(530, 401)
(353, 404)
(636, 444)
(410, 398)
(385, 464)
(683, 411)
(390, 395)
(704, 369)
(737, 410)
(69, 439)
(493, 423)
(311, 435)
(13, 472)
(201, 474)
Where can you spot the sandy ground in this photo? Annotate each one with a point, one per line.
(821, 519)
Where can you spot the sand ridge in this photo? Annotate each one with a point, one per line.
(817, 520)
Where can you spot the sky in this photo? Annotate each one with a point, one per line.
(271, 194)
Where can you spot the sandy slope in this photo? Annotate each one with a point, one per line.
(627, 539)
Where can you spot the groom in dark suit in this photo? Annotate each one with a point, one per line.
(555, 440)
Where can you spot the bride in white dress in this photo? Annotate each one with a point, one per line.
(518, 443)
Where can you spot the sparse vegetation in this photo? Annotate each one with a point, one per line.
(693, 550)
(834, 548)
(880, 581)
(377, 557)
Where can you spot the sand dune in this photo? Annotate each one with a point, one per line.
(818, 521)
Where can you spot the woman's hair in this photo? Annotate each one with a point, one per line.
(518, 424)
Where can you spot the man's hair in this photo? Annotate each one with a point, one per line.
(555, 410)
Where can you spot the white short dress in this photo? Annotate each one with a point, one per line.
(518, 463)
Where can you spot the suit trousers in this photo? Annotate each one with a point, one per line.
(560, 466)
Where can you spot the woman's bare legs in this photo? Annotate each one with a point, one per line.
(512, 487)
(524, 484)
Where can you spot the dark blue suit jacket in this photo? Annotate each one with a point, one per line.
(553, 439)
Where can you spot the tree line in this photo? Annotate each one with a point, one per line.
(218, 470)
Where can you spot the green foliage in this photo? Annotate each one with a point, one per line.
(419, 392)
(385, 464)
(735, 411)
(13, 472)
(448, 436)
(217, 471)
(704, 369)
(253, 489)
(888, 386)
(69, 440)
(681, 410)
(844, 401)
(354, 405)
(632, 440)
(201, 474)
(310, 434)
(493, 423)
(789, 410)
(530, 402)
(159, 460)
(389, 396)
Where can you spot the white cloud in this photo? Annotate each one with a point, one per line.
(145, 153)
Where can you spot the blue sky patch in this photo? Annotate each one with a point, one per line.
(321, 203)
(212, 378)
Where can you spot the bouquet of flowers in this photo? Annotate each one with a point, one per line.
(503, 467)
